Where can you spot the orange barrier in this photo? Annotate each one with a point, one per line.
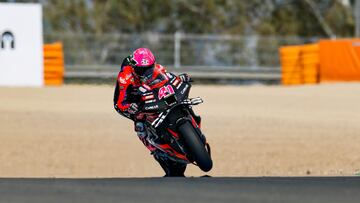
(310, 63)
(300, 64)
(53, 64)
(328, 60)
(291, 65)
(340, 60)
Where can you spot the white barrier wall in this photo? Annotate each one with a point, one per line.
(21, 45)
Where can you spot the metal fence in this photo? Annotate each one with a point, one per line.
(179, 50)
(221, 58)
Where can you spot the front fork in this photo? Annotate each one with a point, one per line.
(197, 118)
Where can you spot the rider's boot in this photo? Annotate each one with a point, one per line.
(171, 168)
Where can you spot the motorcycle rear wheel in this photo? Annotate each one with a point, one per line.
(195, 146)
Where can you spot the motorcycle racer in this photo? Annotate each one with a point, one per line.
(136, 71)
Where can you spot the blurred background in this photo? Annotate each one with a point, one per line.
(200, 36)
(254, 130)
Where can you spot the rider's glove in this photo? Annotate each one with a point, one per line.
(185, 77)
(133, 108)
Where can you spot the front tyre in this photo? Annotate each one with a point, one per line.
(195, 146)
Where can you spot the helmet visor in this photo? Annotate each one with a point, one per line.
(144, 71)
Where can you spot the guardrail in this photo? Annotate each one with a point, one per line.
(236, 73)
(214, 57)
(177, 50)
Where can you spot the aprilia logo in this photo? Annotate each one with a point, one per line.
(7, 40)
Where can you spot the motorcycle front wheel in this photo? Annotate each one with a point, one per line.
(195, 146)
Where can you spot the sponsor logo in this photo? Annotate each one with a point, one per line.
(7, 40)
(148, 97)
(128, 76)
(146, 87)
(170, 76)
(176, 82)
(143, 90)
(177, 87)
(148, 93)
(151, 107)
(150, 101)
(165, 91)
(122, 80)
(185, 88)
(144, 62)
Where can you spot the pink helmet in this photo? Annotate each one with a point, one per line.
(143, 61)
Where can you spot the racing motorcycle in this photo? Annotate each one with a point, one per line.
(171, 124)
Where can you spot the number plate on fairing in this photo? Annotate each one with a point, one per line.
(166, 96)
(165, 91)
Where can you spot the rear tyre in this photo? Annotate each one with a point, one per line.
(195, 146)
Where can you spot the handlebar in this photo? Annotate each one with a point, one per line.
(192, 101)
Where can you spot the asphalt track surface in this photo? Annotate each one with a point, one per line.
(204, 189)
